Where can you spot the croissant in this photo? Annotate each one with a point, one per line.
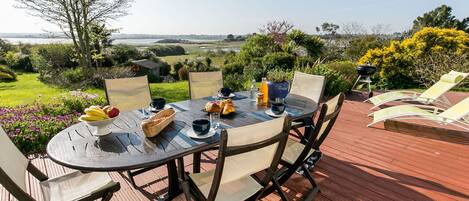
(228, 108)
(213, 107)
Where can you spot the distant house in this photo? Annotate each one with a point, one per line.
(147, 67)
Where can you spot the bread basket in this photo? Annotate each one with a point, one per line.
(153, 126)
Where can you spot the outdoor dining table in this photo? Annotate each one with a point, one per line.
(127, 148)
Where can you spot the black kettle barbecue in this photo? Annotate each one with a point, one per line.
(364, 73)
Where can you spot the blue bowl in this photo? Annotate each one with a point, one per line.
(201, 126)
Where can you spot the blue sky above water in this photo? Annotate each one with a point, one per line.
(245, 16)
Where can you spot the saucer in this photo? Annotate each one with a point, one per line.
(229, 96)
(192, 134)
(270, 113)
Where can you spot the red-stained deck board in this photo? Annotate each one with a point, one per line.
(359, 163)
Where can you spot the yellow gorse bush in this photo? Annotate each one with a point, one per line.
(397, 58)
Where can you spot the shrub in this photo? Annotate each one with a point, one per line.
(429, 69)
(53, 56)
(254, 70)
(5, 47)
(280, 60)
(18, 61)
(183, 73)
(257, 46)
(346, 69)
(396, 60)
(121, 54)
(358, 46)
(166, 50)
(6, 74)
(80, 78)
(236, 82)
(74, 75)
(313, 44)
(233, 68)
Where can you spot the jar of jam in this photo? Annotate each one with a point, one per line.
(260, 99)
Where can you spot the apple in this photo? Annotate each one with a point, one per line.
(113, 112)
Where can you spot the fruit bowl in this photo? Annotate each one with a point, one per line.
(102, 128)
(100, 117)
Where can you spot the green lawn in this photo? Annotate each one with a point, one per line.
(29, 89)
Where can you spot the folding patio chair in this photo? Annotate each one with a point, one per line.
(243, 152)
(203, 84)
(432, 95)
(311, 87)
(129, 94)
(72, 186)
(455, 115)
(296, 154)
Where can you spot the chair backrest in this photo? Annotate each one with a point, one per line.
(309, 86)
(13, 164)
(325, 123)
(203, 84)
(128, 93)
(456, 112)
(446, 82)
(250, 149)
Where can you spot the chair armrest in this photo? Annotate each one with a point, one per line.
(36, 172)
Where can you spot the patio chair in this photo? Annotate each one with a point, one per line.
(296, 154)
(455, 115)
(72, 186)
(309, 86)
(241, 155)
(203, 84)
(432, 95)
(128, 93)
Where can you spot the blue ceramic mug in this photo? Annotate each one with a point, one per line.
(278, 106)
(158, 103)
(201, 126)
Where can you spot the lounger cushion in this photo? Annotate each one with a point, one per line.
(452, 78)
(75, 185)
(236, 190)
(293, 150)
(388, 97)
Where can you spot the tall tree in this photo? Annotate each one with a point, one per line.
(75, 18)
(328, 28)
(441, 17)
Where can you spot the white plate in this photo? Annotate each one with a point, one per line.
(270, 113)
(230, 96)
(192, 134)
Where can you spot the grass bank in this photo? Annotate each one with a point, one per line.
(28, 89)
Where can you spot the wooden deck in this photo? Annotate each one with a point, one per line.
(360, 163)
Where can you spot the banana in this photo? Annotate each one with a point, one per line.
(90, 118)
(95, 107)
(98, 112)
(106, 108)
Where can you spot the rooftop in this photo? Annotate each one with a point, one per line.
(359, 163)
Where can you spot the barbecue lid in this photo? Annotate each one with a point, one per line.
(366, 69)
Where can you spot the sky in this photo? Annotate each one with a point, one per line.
(244, 16)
